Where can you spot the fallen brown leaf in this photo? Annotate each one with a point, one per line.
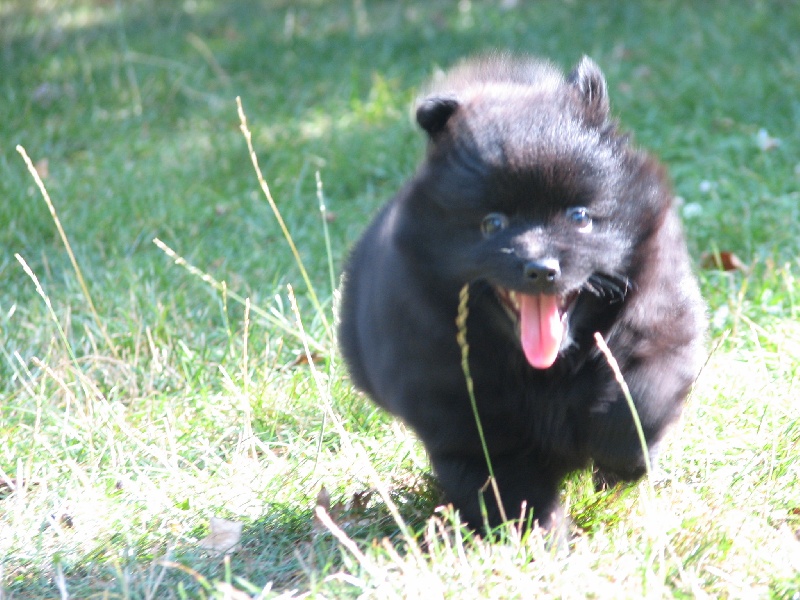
(723, 261)
(302, 359)
(347, 513)
(224, 537)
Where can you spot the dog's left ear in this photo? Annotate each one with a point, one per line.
(591, 84)
(434, 112)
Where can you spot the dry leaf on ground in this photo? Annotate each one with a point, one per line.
(724, 261)
(224, 536)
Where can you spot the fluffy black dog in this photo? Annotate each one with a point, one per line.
(530, 195)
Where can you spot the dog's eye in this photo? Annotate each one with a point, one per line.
(580, 218)
(492, 223)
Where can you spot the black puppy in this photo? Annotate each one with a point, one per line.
(530, 195)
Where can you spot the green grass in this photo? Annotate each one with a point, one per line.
(115, 453)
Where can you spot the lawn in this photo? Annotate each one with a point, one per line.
(168, 361)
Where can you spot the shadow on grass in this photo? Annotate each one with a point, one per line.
(293, 550)
(287, 549)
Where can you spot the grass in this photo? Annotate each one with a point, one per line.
(174, 400)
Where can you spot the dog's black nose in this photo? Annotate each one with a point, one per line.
(542, 271)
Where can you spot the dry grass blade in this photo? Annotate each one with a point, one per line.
(84, 288)
(288, 236)
(351, 546)
(198, 44)
(461, 323)
(323, 209)
(61, 333)
(612, 362)
(221, 287)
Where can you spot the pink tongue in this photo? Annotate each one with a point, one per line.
(540, 329)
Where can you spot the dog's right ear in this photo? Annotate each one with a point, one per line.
(434, 112)
(591, 84)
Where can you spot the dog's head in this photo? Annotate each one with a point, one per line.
(528, 186)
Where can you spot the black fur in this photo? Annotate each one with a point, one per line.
(527, 187)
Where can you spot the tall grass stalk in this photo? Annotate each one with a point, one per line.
(247, 426)
(328, 249)
(612, 362)
(288, 236)
(81, 281)
(461, 323)
(130, 73)
(331, 272)
(62, 334)
(654, 525)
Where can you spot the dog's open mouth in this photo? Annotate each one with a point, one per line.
(542, 323)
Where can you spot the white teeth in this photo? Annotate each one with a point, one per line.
(512, 296)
